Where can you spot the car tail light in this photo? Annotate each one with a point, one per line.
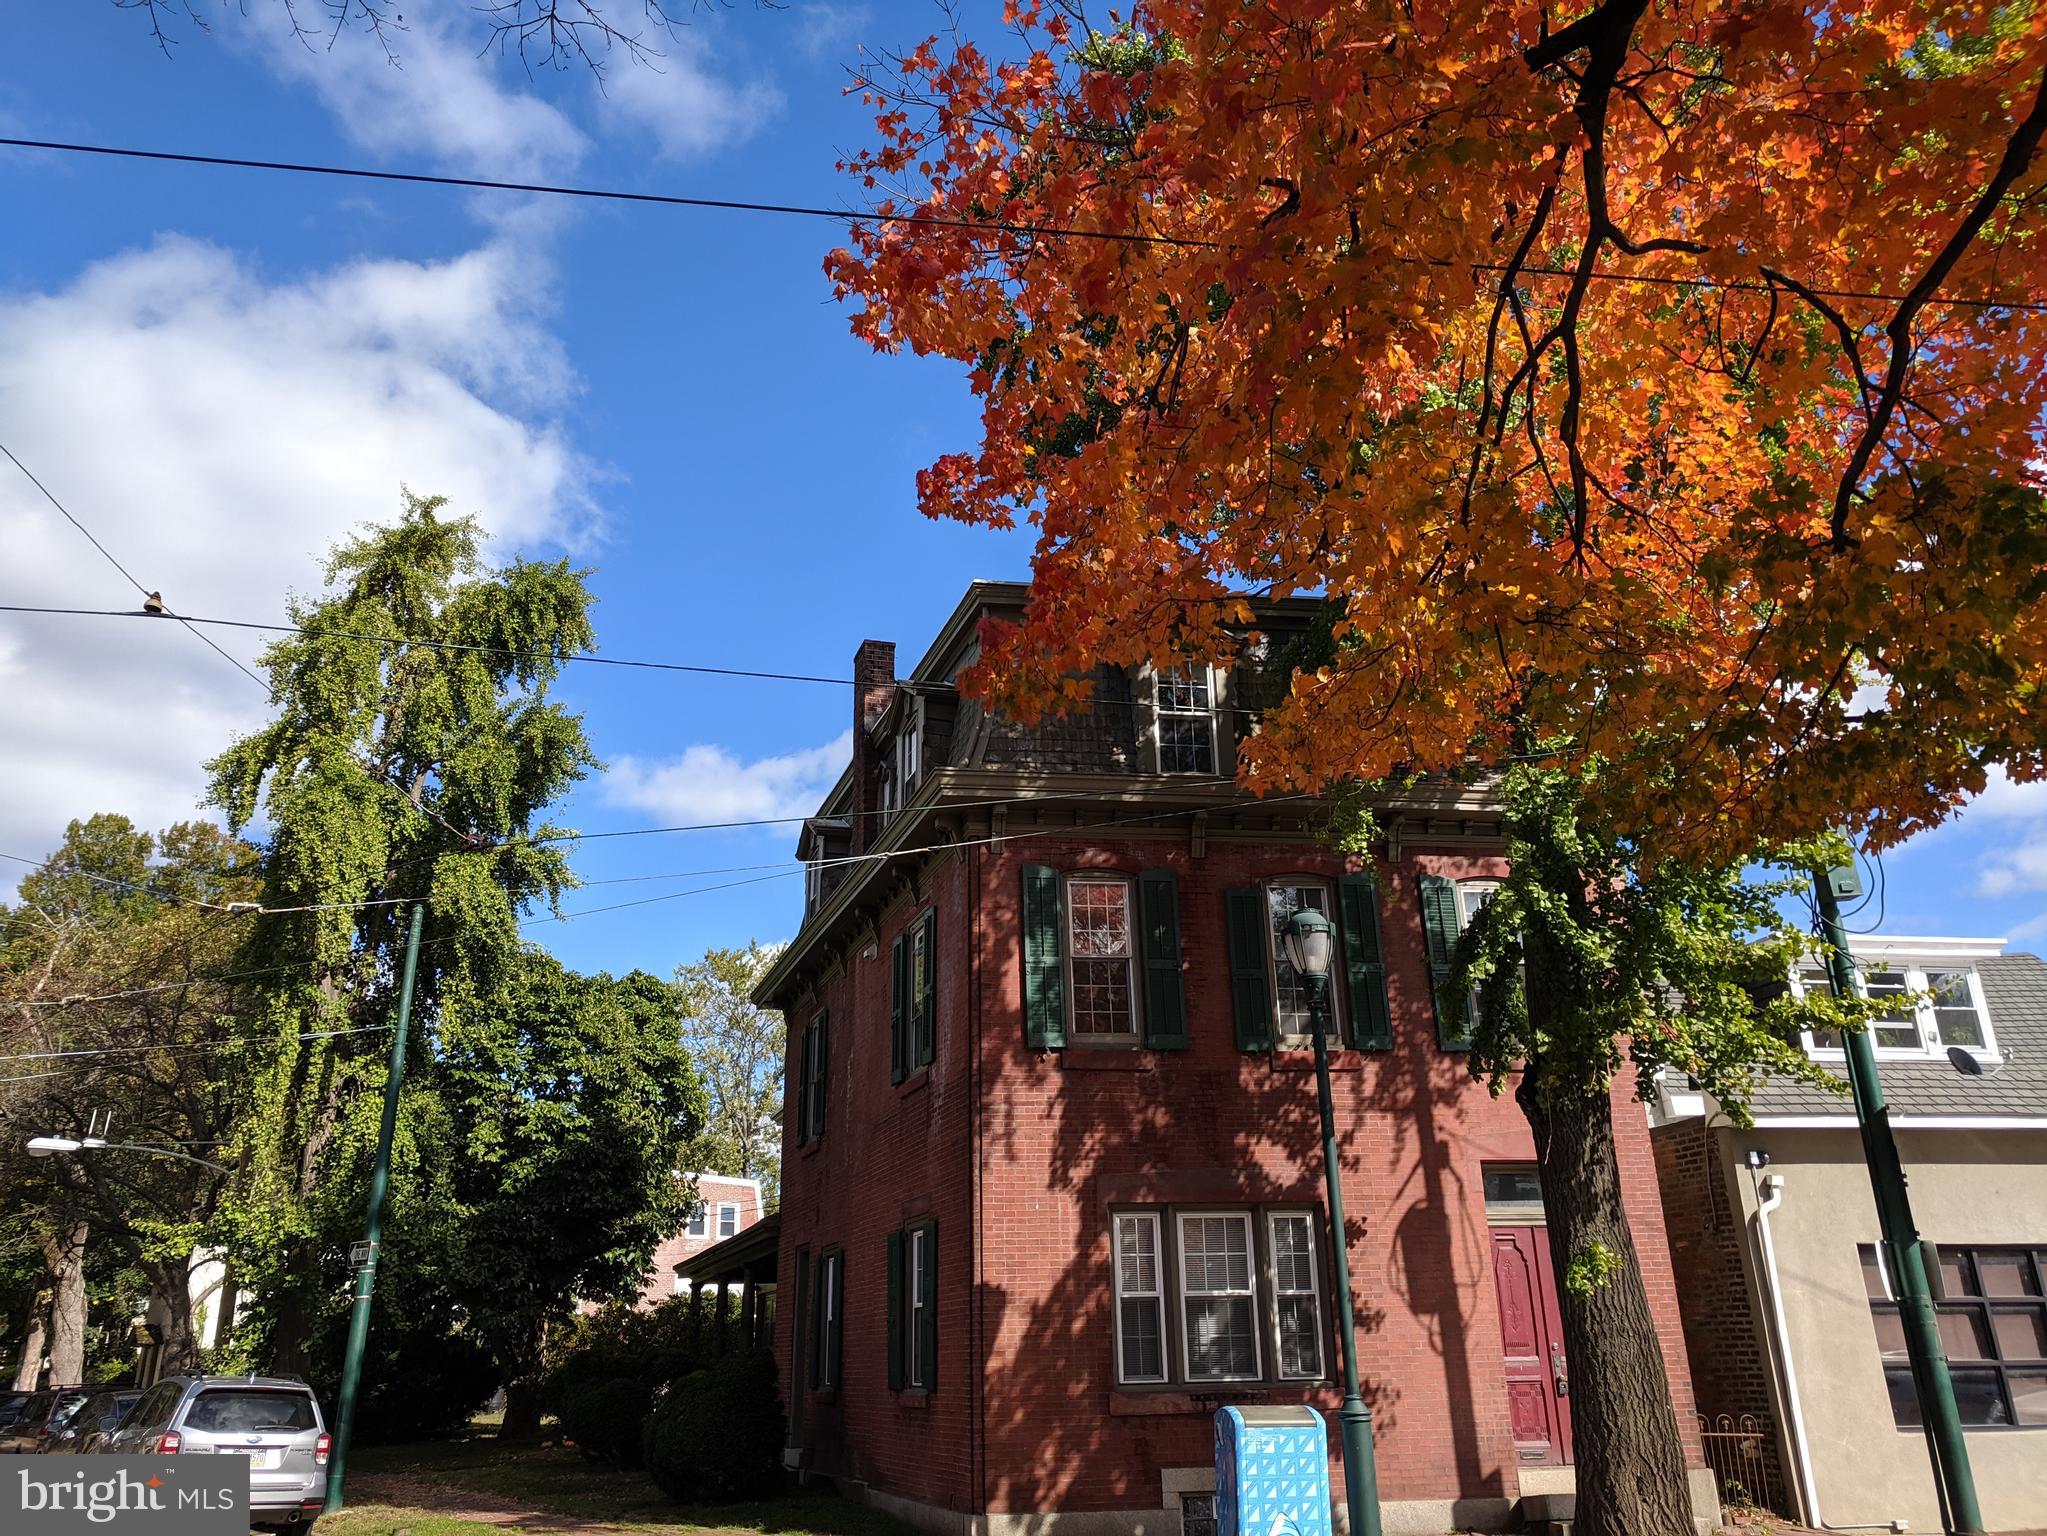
(169, 1443)
(321, 1447)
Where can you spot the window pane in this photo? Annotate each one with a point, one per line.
(1293, 1255)
(1290, 989)
(1955, 1279)
(1890, 1333)
(1144, 1345)
(1897, 1027)
(1512, 1186)
(1186, 745)
(1954, 1008)
(1222, 1341)
(1137, 1255)
(1471, 896)
(1872, 1272)
(1184, 688)
(2021, 1333)
(1904, 1401)
(1964, 1333)
(2005, 1274)
(1300, 1340)
(1979, 1398)
(1099, 939)
(2028, 1396)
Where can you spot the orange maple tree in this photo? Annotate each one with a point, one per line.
(1665, 378)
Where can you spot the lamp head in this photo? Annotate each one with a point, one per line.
(43, 1146)
(1310, 943)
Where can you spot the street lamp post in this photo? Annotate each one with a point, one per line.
(1310, 946)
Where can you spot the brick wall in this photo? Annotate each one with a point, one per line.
(1722, 1327)
(713, 1191)
(1061, 1137)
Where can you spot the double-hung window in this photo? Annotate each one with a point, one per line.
(1217, 1296)
(913, 1307)
(812, 1057)
(728, 1220)
(1927, 1006)
(1992, 1317)
(1292, 998)
(825, 1333)
(913, 997)
(1101, 948)
(1186, 719)
(699, 1223)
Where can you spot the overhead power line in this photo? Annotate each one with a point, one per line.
(942, 221)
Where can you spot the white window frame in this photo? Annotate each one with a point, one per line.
(1253, 1271)
(699, 1222)
(1314, 1293)
(1915, 966)
(1480, 889)
(828, 1283)
(916, 1369)
(1132, 919)
(728, 1207)
(1156, 1296)
(681, 1285)
(1276, 957)
(1160, 678)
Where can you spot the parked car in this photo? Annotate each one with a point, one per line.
(275, 1423)
(92, 1421)
(11, 1405)
(40, 1416)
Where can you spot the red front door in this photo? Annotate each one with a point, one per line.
(1532, 1345)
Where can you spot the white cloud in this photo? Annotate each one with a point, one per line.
(437, 94)
(450, 93)
(2003, 799)
(708, 783)
(218, 433)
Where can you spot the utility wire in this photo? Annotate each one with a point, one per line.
(66, 512)
(990, 226)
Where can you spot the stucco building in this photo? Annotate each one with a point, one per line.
(1051, 1187)
(1798, 1358)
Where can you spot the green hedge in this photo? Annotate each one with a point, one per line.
(717, 1433)
(606, 1419)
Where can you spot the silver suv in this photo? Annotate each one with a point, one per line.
(273, 1422)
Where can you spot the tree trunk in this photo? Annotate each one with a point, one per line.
(28, 1370)
(1630, 1461)
(522, 1410)
(64, 1253)
(172, 1281)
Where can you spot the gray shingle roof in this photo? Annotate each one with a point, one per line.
(2015, 991)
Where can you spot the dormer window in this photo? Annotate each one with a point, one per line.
(1186, 719)
(1930, 1005)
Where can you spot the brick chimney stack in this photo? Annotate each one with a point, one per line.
(874, 682)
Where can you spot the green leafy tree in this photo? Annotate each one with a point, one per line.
(1588, 961)
(572, 1101)
(738, 1051)
(412, 757)
(113, 953)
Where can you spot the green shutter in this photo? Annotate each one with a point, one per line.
(834, 1355)
(895, 1311)
(928, 1323)
(803, 1086)
(819, 1077)
(817, 1322)
(1244, 908)
(1439, 930)
(1165, 1004)
(927, 992)
(1044, 965)
(1366, 962)
(898, 1005)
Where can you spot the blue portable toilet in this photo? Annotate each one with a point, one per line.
(1271, 1472)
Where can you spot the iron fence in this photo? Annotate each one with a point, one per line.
(1742, 1451)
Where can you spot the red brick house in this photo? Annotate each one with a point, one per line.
(726, 1207)
(1051, 1185)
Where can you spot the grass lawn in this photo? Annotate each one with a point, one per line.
(478, 1487)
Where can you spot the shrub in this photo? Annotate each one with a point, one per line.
(606, 1418)
(717, 1433)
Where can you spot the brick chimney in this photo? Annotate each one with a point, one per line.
(874, 682)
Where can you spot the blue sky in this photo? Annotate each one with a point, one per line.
(221, 371)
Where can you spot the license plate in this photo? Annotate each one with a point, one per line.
(259, 1460)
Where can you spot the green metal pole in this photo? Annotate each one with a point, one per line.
(1934, 1387)
(1360, 1471)
(373, 1228)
